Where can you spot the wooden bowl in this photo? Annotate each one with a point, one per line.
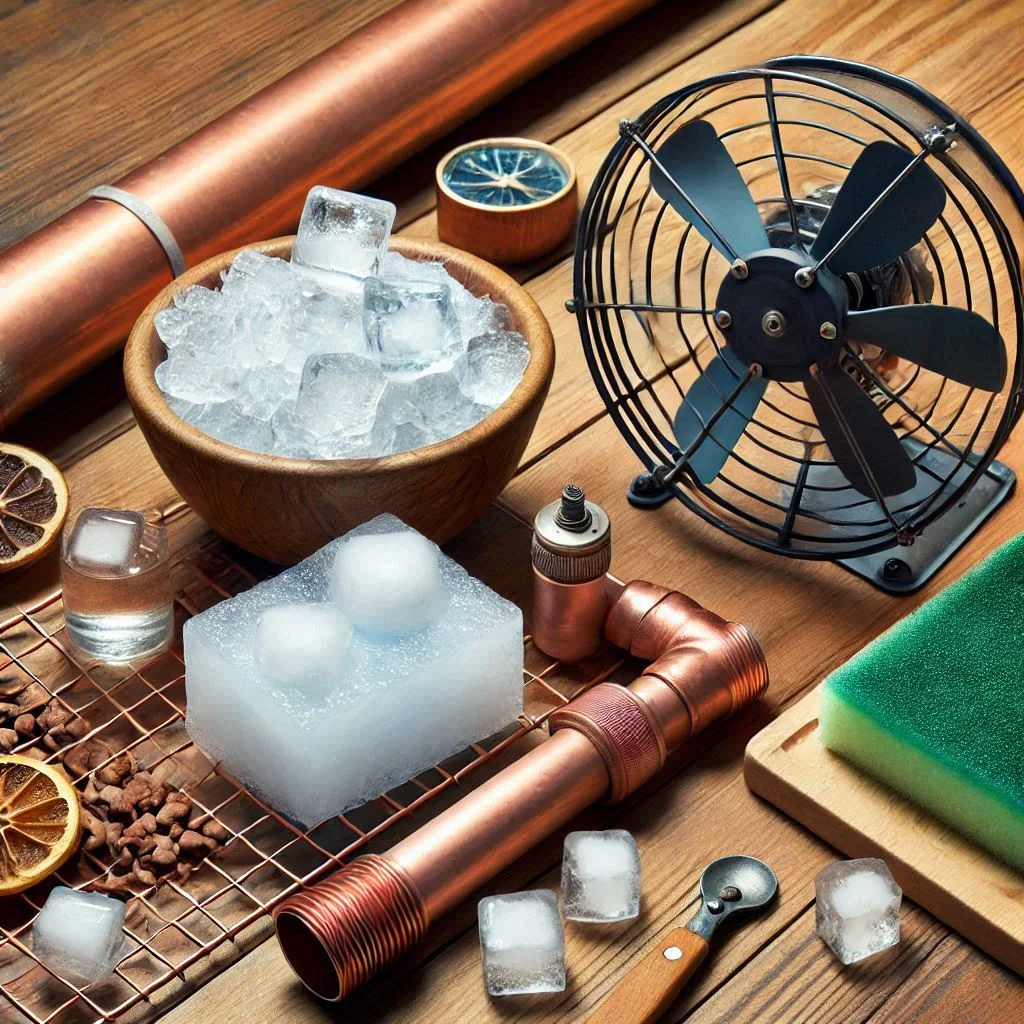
(283, 509)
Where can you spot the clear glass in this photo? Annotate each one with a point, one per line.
(115, 574)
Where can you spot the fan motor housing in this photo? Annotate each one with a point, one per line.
(776, 323)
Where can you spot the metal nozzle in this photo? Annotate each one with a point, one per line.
(572, 513)
(572, 538)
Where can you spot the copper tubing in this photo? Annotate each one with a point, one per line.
(604, 744)
(72, 290)
(568, 617)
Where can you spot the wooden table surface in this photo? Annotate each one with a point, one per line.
(76, 80)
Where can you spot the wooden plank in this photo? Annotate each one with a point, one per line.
(797, 980)
(963, 885)
(95, 89)
(955, 985)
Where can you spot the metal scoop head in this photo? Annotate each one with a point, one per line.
(732, 886)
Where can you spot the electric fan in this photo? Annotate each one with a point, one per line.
(800, 299)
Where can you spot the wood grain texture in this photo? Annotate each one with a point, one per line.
(284, 509)
(95, 88)
(810, 617)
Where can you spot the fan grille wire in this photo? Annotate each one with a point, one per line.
(779, 489)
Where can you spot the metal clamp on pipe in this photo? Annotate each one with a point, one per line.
(339, 933)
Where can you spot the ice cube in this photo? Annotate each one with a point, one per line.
(522, 942)
(493, 366)
(600, 876)
(106, 539)
(440, 407)
(399, 707)
(79, 935)
(339, 394)
(388, 584)
(857, 908)
(342, 232)
(228, 423)
(303, 646)
(411, 326)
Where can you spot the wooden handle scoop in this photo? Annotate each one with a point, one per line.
(728, 887)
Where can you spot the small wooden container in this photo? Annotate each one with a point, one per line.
(283, 509)
(506, 234)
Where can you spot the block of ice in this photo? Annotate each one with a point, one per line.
(600, 876)
(522, 942)
(302, 646)
(107, 539)
(393, 709)
(493, 365)
(411, 326)
(343, 232)
(857, 908)
(388, 584)
(79, 935)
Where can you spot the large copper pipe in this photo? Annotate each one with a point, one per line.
(71, 291)
(606, 743)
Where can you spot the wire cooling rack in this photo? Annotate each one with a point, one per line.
(181, 934)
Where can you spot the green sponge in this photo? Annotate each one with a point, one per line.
(935, 706)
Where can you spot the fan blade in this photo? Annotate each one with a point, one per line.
(695, 159)
(708, 393)
(956, 343)
(897, 225)
(880, 447)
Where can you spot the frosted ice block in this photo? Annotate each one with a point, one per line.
(522, 943)
(79, 935)
(396, 705)
(600, 876)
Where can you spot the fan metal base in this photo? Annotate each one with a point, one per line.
(902, 570)
(897, 570)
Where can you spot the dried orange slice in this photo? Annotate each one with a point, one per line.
(33, 505)
(39, 822)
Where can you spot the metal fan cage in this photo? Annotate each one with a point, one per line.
(645, 284)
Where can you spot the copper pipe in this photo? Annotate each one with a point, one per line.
(606, 743)
(72, 290)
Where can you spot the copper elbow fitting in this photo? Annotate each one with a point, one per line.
(339, 933)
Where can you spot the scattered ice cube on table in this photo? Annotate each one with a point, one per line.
(388, 584)
(522, 942)
(106, 538)
(302, 646)
(493, 365)
(600, 876)
(857, 908)
(343, 232)
(411, 326)
(395, 707)
(79, 935)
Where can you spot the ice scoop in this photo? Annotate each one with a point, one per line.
(730, 887)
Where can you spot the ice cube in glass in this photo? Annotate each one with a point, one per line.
(79, 935)
(522, 942)
(116, 584)
(857, 908)
(411, 326)
(600, 876)
(342, 232)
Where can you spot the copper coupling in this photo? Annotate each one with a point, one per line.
(339, 933)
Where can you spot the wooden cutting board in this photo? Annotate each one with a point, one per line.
(957, 881)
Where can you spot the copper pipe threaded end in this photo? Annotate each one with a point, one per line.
(339, 933)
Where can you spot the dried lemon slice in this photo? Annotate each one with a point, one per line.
(39, 822)
(33, 505)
